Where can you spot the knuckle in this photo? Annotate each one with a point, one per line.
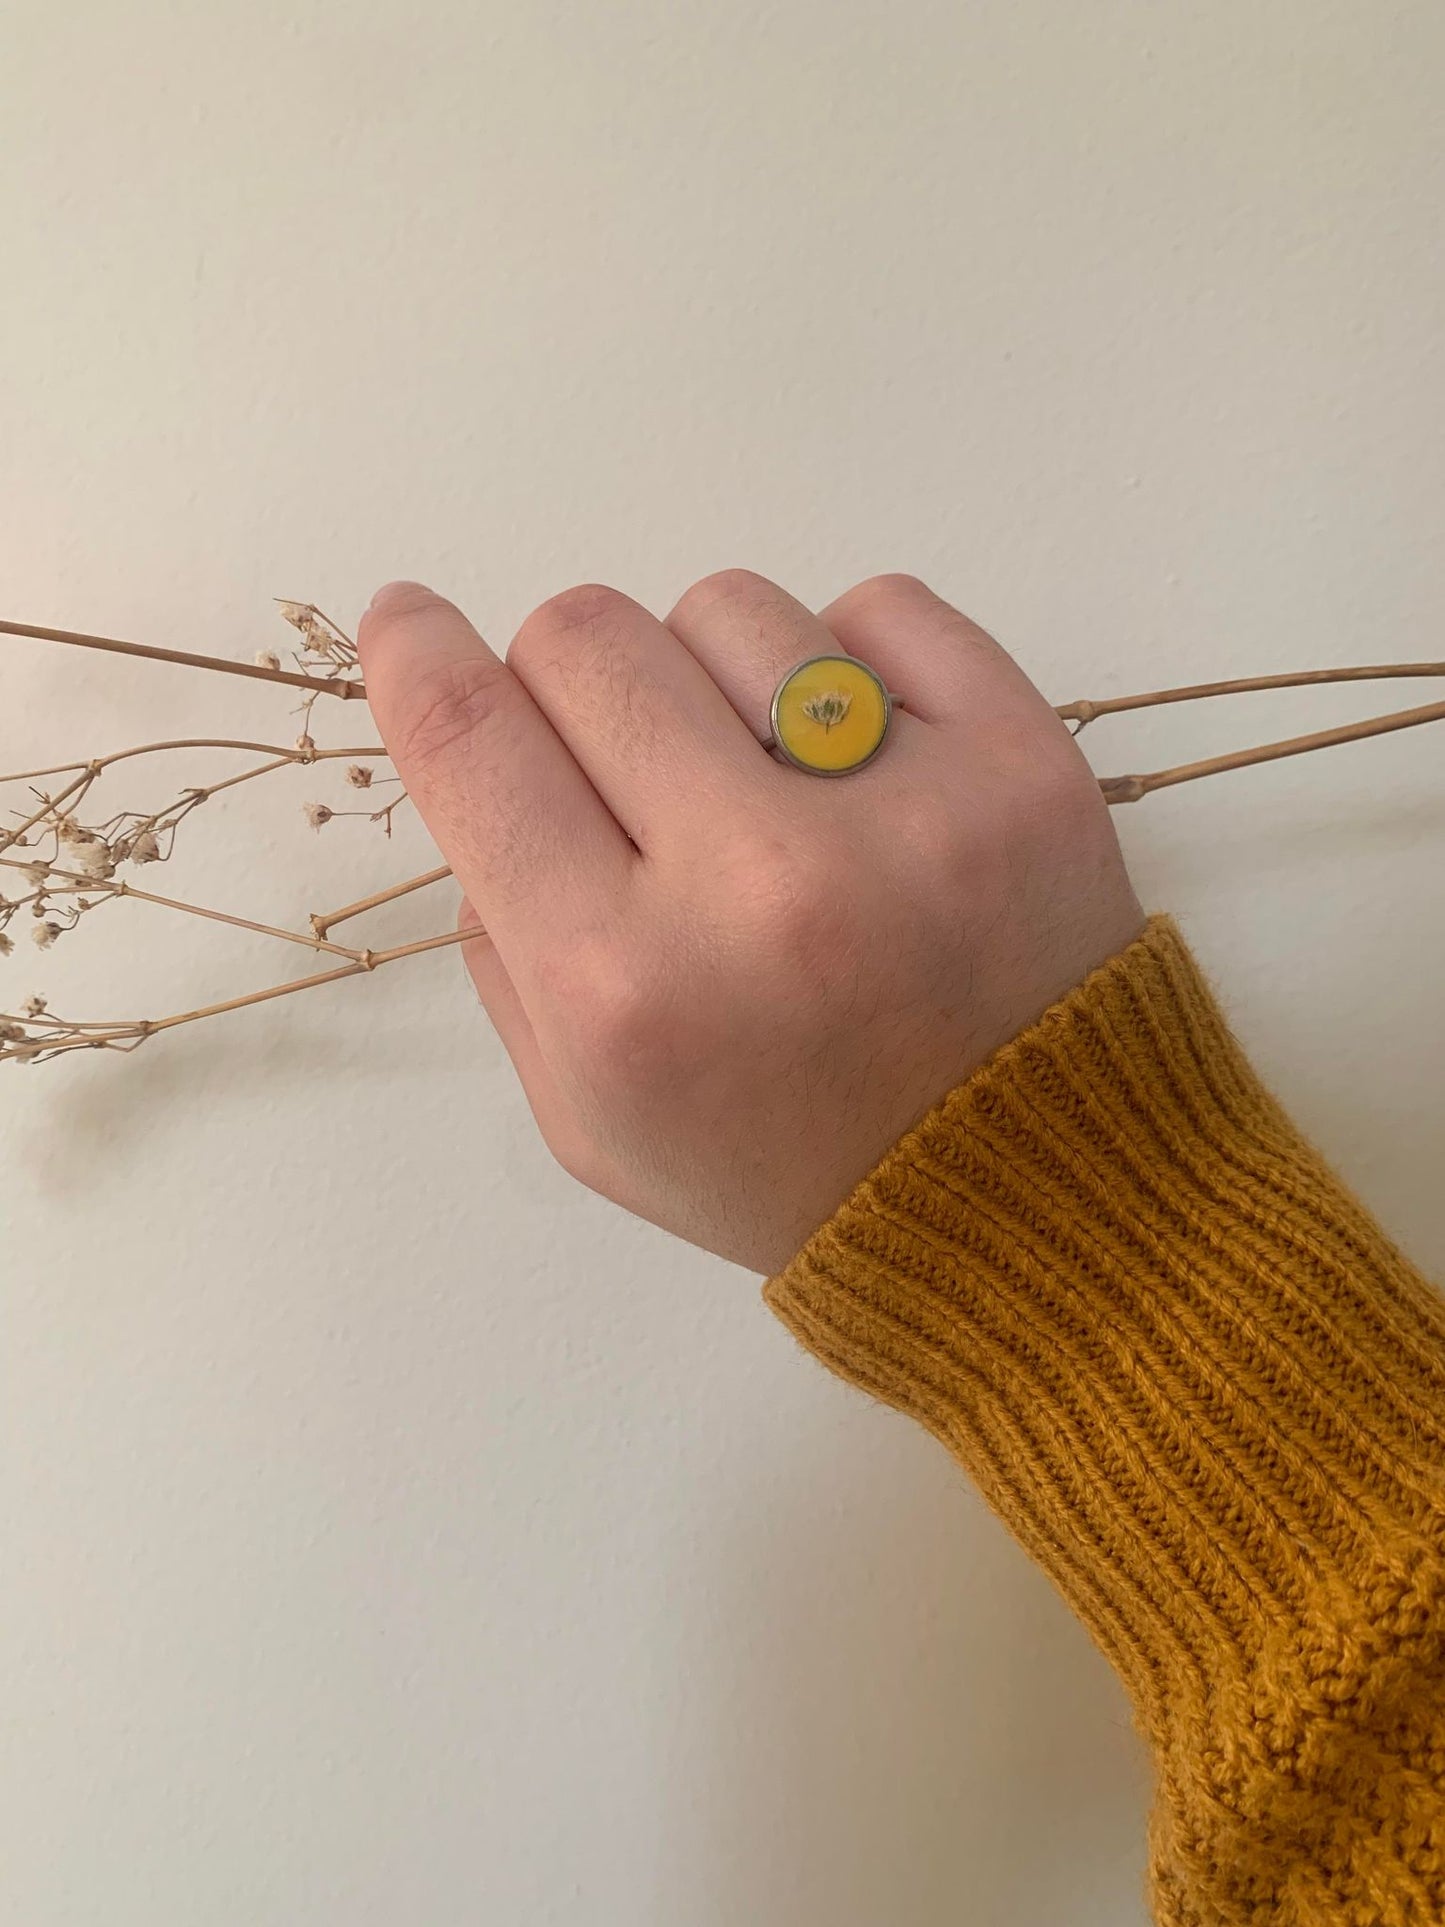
(549, 639)
(892, 582)
(892, 587)
(581, 607)
(612, 1011)
(723, 585)
(788, 906)
(577, 1155)
(446, 707)
(626, 1029)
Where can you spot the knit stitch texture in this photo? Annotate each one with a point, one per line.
(1207, 1393)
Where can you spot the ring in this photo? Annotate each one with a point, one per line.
(830, 715)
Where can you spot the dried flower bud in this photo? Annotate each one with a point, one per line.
(302, 616)
(7, 945)
(359, 775)
(267, 659)
(35, 1006)
(43, 934)
(318, 814)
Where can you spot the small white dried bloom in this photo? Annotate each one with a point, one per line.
(44, 933)
(144, 848)
(359, 775)
(37, 874)
(267, 659)
(7, 945)
(302, 616)
(10, 1033)
(35, 1006)
(85, 854)
(318, 814)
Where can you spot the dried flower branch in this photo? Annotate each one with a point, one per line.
(34, 1039)
(69, 867)
(1130, 789)
(1086, 712)
(262, 670)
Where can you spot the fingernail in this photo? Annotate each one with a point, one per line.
(393, 595)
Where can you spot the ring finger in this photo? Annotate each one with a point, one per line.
(748, 633)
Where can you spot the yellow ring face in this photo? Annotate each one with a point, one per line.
(830, 715)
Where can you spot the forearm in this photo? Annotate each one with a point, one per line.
(1207, 1393)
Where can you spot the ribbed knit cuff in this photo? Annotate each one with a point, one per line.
(1183, 1364)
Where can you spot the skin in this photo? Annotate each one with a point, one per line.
(728, 986)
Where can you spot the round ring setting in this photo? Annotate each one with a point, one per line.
(830, 715)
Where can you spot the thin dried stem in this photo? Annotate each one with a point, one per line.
(73, 882)
(321, 924)
(127, 1036)
(343, 686)
(313, 942)
(296, 754)
(50, 806)
(1087, 712)
(1130, 789)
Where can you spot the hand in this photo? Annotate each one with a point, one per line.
(728, 985)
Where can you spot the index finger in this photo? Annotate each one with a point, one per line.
(533, 845)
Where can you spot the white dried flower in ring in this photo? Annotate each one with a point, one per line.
(42, 935)
(145, 848)
(37, 874)
(359, 776)
(35, 1006)
(7, 945)
(318, 814)
(267, 659)
(828, 707)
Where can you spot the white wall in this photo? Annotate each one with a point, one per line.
(390, 1532)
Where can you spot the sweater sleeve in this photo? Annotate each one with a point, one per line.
(1207, 1393)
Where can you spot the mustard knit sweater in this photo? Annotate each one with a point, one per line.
(1208, 1395)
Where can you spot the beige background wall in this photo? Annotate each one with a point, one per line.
(390, 1532)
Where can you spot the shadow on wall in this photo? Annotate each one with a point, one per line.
(907, 1727)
